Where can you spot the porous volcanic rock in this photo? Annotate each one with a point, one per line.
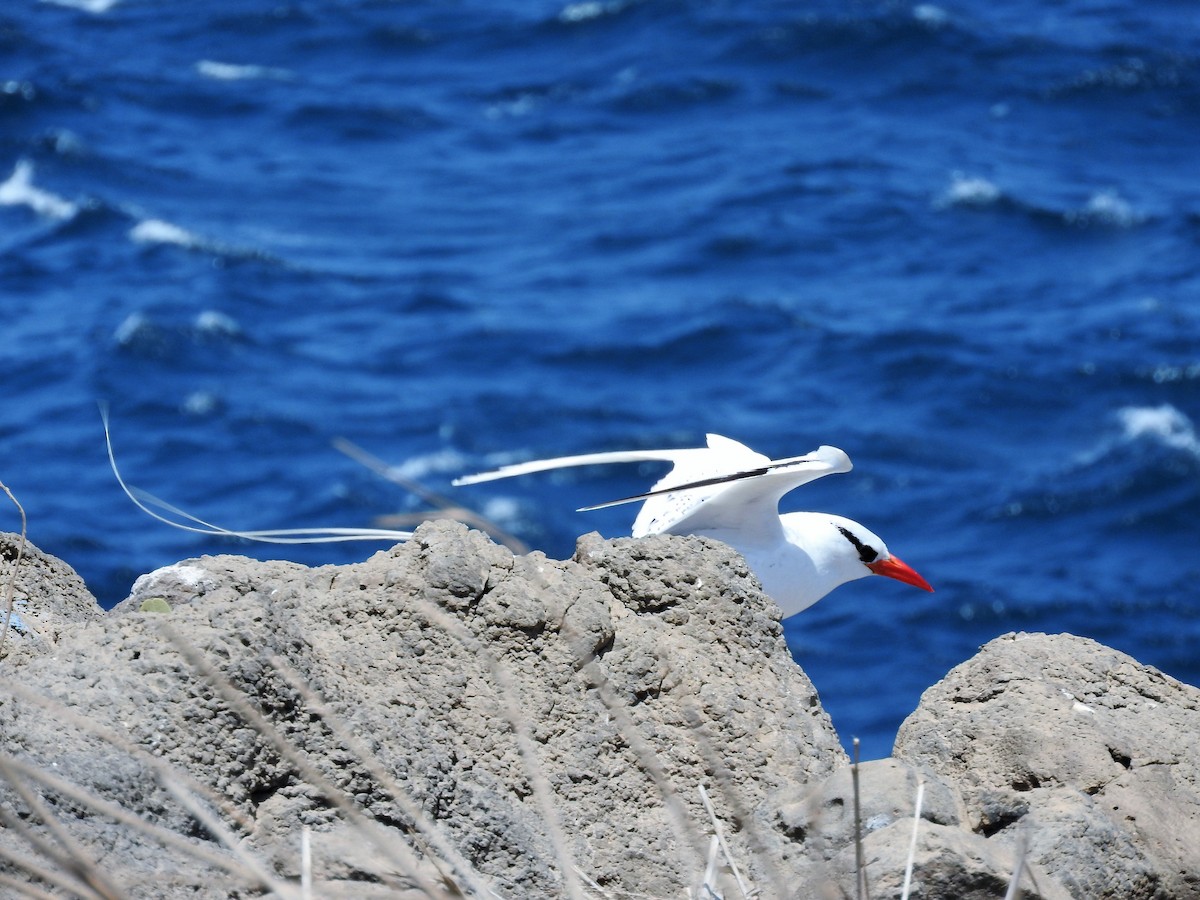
(447, 716)
(1076, 750)
(548, 717)
(48, 598)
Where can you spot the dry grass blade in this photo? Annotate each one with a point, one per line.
(448, 507)
(34, 867)
(719, 834)
(214, 826)
(707, 888)
(119, 814)
(686, 836)
(10, 589)
(1014, 884)
(70, 854)
(305, 863)
(912, 847)
(428, 829)
(63, 713)
(517, 721)
(732, 795)
(860, 866)
(372, 831)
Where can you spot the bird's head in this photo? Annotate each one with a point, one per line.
(860, 547)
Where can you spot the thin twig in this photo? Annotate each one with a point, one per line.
(426, 827)
(448, 507)
(72, 856)
(912, 847)
(237, 701)
(717, 831)
(119, 814)
(860, 865)
(1014, 884)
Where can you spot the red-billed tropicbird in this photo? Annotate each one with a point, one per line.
(729, 492)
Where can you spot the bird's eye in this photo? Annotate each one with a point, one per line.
(865, 553)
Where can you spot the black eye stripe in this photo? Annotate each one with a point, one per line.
(865, 553)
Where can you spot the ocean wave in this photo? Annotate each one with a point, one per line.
(439, 462)
(149, 335)
(1103, 208)
(158, 231)
(220, 71)
(1164, 425)
(19, 190)
(588, 10)
(1132, 73)
(1147, 471)
(96, 7)
(154, 232)
(969, 191)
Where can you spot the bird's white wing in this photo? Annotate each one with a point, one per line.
(666, 506)
(721, 456)
(744, 499)
(723, 485)
(585, 459)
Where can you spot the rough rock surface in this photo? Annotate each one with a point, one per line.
(1090, 757)
(49, 598)
(444, 713)
(641, 670)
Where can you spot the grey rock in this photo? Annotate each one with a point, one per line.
(1090, 756)
(949, 863)
(821, 815)
(617, 683)
(445, 715)
(49, 598)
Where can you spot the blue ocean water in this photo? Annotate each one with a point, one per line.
(960, 241)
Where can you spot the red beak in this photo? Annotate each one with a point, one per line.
(893, 567)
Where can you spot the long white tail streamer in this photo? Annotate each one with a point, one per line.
(144, 501)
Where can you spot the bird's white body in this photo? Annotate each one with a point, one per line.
(731, 493)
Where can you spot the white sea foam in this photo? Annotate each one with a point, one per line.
(929, 14)
(1164, 424)
(19, 190)
(1106, 208)
(201, 403)
(156, 231)
(589, 9)
(418, 467)
(136, 328)
(213, 323)
(966, 190)
(91, 6)
(234, 72)
(505, 511)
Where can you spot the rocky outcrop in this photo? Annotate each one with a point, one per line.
(1077, 751)
(445, 716)
(48, 598)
